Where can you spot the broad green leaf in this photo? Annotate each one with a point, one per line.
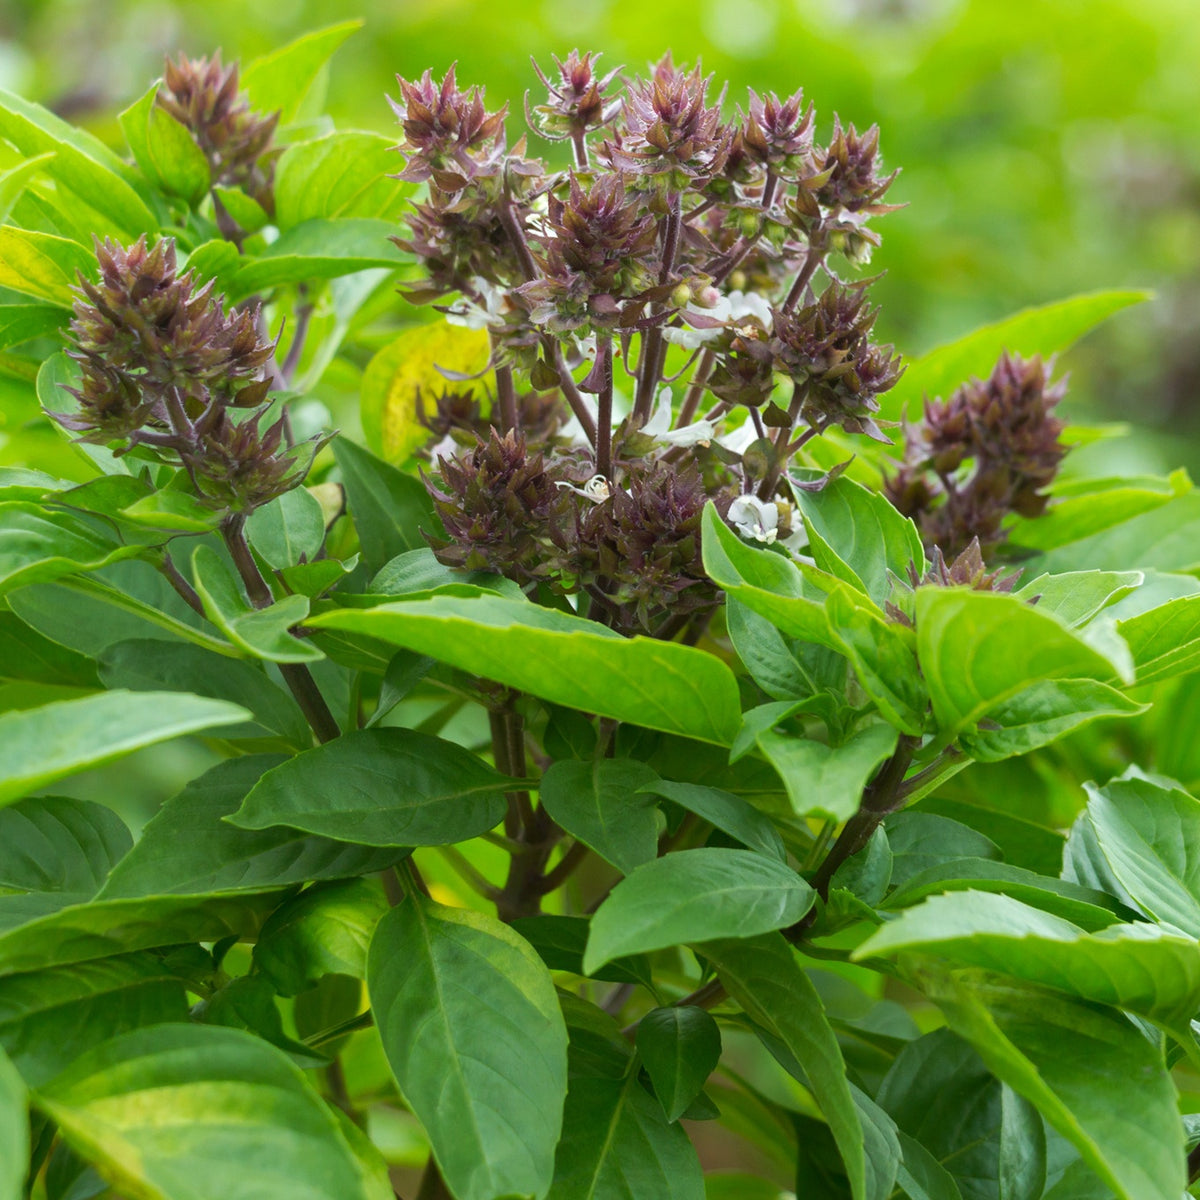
(680, 1047)
(765, 582)
(867, 873)
(616, 1140)
(979, 649)
(187, 848)
(763, 976)
(45, 744)
(1070, 1059)
(48, 1019)
(488, 1074)
(941, 1095)
(324, 931)
(28, 656)
(380, 787)
(1022, 1148)
(14, 1132)
(21, 322)
(1083, 906)
(59, 844)
(827, 781)
(81, 162)
(1148, 834)
(920, 1175)
(1046, 330)
(563, 658)
(769, 656)
(42, 265)
(865, 532)
(319, 249)
(1164, 641)
(262, 632)
(419, 571)
(41, 930)
(15, 180)
(144, 665)
(921, 840)
(37, 545)
(1141, 968)
(1077, 596)
(183, 1111)
(695, 896)
(1094, 506)
(165, 150)
(344, 174)
(405, 374)
(729, 813)
(561, 941)
(289, 530)
(881, 1146)
(603, 805)
(249, 1002)
(1043, 713)
(175, 509)
(279, 81)
(389, 508)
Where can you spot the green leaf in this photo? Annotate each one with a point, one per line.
(37, 546)
(324, 931)
(865, 532)
(1022, 1148)
(1165, 641)
(488, 1074)
(46, 930)
(145, 665)
(262, 632)
(921, 840)
(1083, 906)
(827, 781)
(165, 150)
(23, 322)
(1042, 714)
(279, 81)
(15, 181)
(1140, 968)
(979, 649)
(48, 1019)
(58, 844)
(920, 1175)
(1093, 506)
(1070, 1059)
(81, 162)
(160, 1109)
(561, 941)
(729, 813)
(380, 787)
(289, 530)
(14, 1132)
(601, 804)
(319, 249)
(694, 896)
(389, 508)
(187, 848)
(173, 508)
(1077, 596)
(45, 744)
(1047, 330)
(344, 174)
(42, 265)
(28, 656)
(616, 1140)
(680, 1047)
(1148, 834)
(763, 976)
(249, 1002)
(563, 658)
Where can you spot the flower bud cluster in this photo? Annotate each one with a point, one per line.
(164, 368)
(986, 453)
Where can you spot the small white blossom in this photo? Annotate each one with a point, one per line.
(739, 440)
(597, 489)
(755, 518)
(489, 314)
(659, 426)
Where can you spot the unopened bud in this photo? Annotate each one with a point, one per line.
(737, 281)
(681, 295)
(708, 297)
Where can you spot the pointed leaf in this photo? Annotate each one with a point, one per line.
(729, 813)
(279, 81)
(693, 896)
(14, 1132)
(680, 1047)
(488, 1075)
(58, 844)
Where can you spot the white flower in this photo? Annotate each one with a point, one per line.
(750, 304)
(755, 518)
(597, 489)
(659, 426)
(490, 313)
(731, 310)
(740, 439)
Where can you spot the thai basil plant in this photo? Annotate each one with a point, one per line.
(689, 734)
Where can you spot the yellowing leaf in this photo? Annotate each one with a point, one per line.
(407, 368)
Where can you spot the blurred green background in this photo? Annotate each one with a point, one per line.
(1047, 146)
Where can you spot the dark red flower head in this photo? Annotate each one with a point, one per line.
(575, 104)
